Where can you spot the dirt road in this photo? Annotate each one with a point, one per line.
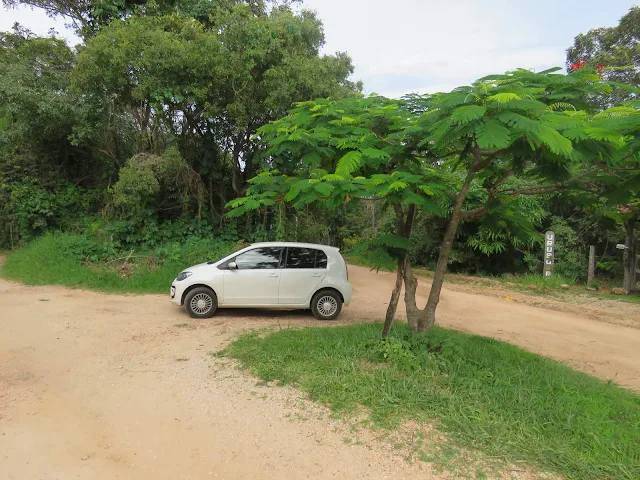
(100, 387)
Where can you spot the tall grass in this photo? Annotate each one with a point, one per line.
(484, 394)
(59, 259)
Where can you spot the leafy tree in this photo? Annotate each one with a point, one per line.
(518, 124)
(616, 52)
(621, 186)
(521, 123)
(40, 167)
(210, 87)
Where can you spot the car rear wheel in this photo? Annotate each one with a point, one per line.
(201, 302)
(326, 305)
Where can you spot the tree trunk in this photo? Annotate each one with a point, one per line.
(410, 287)
(237, 180)
(422, 320)
(393, 302)
(630, 257)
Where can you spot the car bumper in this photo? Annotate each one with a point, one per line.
(176, 292)
(346, 291)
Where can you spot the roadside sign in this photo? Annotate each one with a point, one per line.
(549, 247)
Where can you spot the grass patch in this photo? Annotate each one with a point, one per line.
(486, 395)
(78, 262)
(633, 297)
(534, 283)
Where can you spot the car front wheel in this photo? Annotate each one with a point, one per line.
(326, 305)
(201, 302)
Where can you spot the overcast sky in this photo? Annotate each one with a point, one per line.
(403, 46)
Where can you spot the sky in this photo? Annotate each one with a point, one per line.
(425, 46)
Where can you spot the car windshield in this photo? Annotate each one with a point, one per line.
(240, 246)
(216, 261)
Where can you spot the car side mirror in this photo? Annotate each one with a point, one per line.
(232, 266)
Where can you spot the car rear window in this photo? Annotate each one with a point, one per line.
(321, 259)
(305, 258)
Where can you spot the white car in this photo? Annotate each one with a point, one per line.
(267, 275)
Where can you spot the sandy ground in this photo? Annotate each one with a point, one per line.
(97, 386)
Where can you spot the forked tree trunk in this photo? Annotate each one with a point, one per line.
(630, 257)
(422, 320)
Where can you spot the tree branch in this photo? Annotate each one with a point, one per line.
(542, 189)
(493, 153)
(475, 214)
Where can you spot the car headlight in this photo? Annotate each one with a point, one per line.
(183, 276)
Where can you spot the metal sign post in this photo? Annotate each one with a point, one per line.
(549, 247)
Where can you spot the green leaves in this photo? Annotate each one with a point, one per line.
(392, 241)
(324, 189)
(349, 163)
(503, 97)
(468, 113)
(492, 135)
(374, 153)
(554, 140)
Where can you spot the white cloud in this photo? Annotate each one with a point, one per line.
(404, 46)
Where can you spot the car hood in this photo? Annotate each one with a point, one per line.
(196, 268)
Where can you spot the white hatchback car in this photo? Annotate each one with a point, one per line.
(267, 275)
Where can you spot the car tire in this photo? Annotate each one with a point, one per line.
(201, 302)
(326, 305)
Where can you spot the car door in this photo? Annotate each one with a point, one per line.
(304, 269)
(256, 279)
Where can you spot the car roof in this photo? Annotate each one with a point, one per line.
(295, 244)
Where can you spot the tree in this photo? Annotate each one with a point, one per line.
(38, 118)
(620, 185)
(520, 124)
(210, 86)
(616, 50)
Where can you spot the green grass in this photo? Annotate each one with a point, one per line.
(56, 259)
(486, 395)
(633, 297)
(538, 283)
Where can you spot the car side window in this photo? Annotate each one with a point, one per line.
(305, 258)
(259, 258)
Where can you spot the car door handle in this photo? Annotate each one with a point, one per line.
(316, 275)
(274, 275)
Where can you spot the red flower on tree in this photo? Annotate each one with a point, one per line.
(599, 67)
(579, 65)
